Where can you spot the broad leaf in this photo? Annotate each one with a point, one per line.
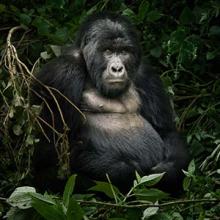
(69, 190)
(43, 198)
(151, 195)
(105, 188)
(153, 16)
(48, 211)
(74, 210)
(192, 167)
(186, 16)
(21, 197)
(143, 9)
(149, 212)
(215, 30)
(152, 179)
(156, 52)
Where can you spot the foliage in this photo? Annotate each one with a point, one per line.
(180, 38)
(136, 204)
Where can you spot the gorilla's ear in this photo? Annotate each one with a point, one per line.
(71, 50)
(74, 52)
(77, 54)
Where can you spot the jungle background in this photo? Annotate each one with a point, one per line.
(181, 39)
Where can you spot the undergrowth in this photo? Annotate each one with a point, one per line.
(180, 38)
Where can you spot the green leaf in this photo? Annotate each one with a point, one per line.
(152, 179)
(14, 9)
(17, 129)
(42, 26)
(138, 177)
(210, 55)
(133, 214)
(105, 188)
(163, 216)
(204, 17)
(43, 198)
(56, 3)
(186, 183)
(186, 17)
(148, 212)
(178, 36)
(79, 3)
(25, 19)
(92, 10)
(69, 190)
(2, 8)
(61, 35)
(18, 100)
(36, 109)
(167, 81)
(156, 52)
(177, 216)
(214, 30)
(153, 16)
(192, 167)
(56, 50)
(22, 214)
(143, 9)
(48, 211)
(21, 197)
(74, 210)
(30, 140)
(11, 113)
(151, 195)
(45, 55)
(129, 13)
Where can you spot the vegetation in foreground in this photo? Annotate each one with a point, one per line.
(180, 38)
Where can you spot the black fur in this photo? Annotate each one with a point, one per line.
(155, 148)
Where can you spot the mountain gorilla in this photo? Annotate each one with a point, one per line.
(129, 124)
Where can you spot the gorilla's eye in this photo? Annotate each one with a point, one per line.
(108, 52)
(124, 52)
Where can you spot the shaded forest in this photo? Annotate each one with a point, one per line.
(181, 39)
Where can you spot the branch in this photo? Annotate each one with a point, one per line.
(150, 205)
(11, 32)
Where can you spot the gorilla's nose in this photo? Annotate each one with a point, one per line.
(117, 70)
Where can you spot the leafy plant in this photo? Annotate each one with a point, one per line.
(180, 38)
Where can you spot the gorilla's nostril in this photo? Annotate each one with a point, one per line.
(114, 69)
(120, 69)
(117, 68)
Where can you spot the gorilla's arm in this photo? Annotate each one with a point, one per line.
(65, 74)
(155, 107)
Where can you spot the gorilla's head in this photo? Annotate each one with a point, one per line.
(111, 52)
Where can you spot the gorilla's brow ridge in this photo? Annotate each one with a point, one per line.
(107, 28)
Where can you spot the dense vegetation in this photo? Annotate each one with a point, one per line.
(180, 38)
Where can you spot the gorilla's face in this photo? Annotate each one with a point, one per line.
(112, 59)
(117, 68)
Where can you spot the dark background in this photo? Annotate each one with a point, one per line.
(181, 39)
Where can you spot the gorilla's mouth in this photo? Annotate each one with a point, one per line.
(114, 87)
(116, 81)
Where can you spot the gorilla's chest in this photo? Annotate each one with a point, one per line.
(116, 123)
(113, 122)
(108, 114)
(119, 130)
